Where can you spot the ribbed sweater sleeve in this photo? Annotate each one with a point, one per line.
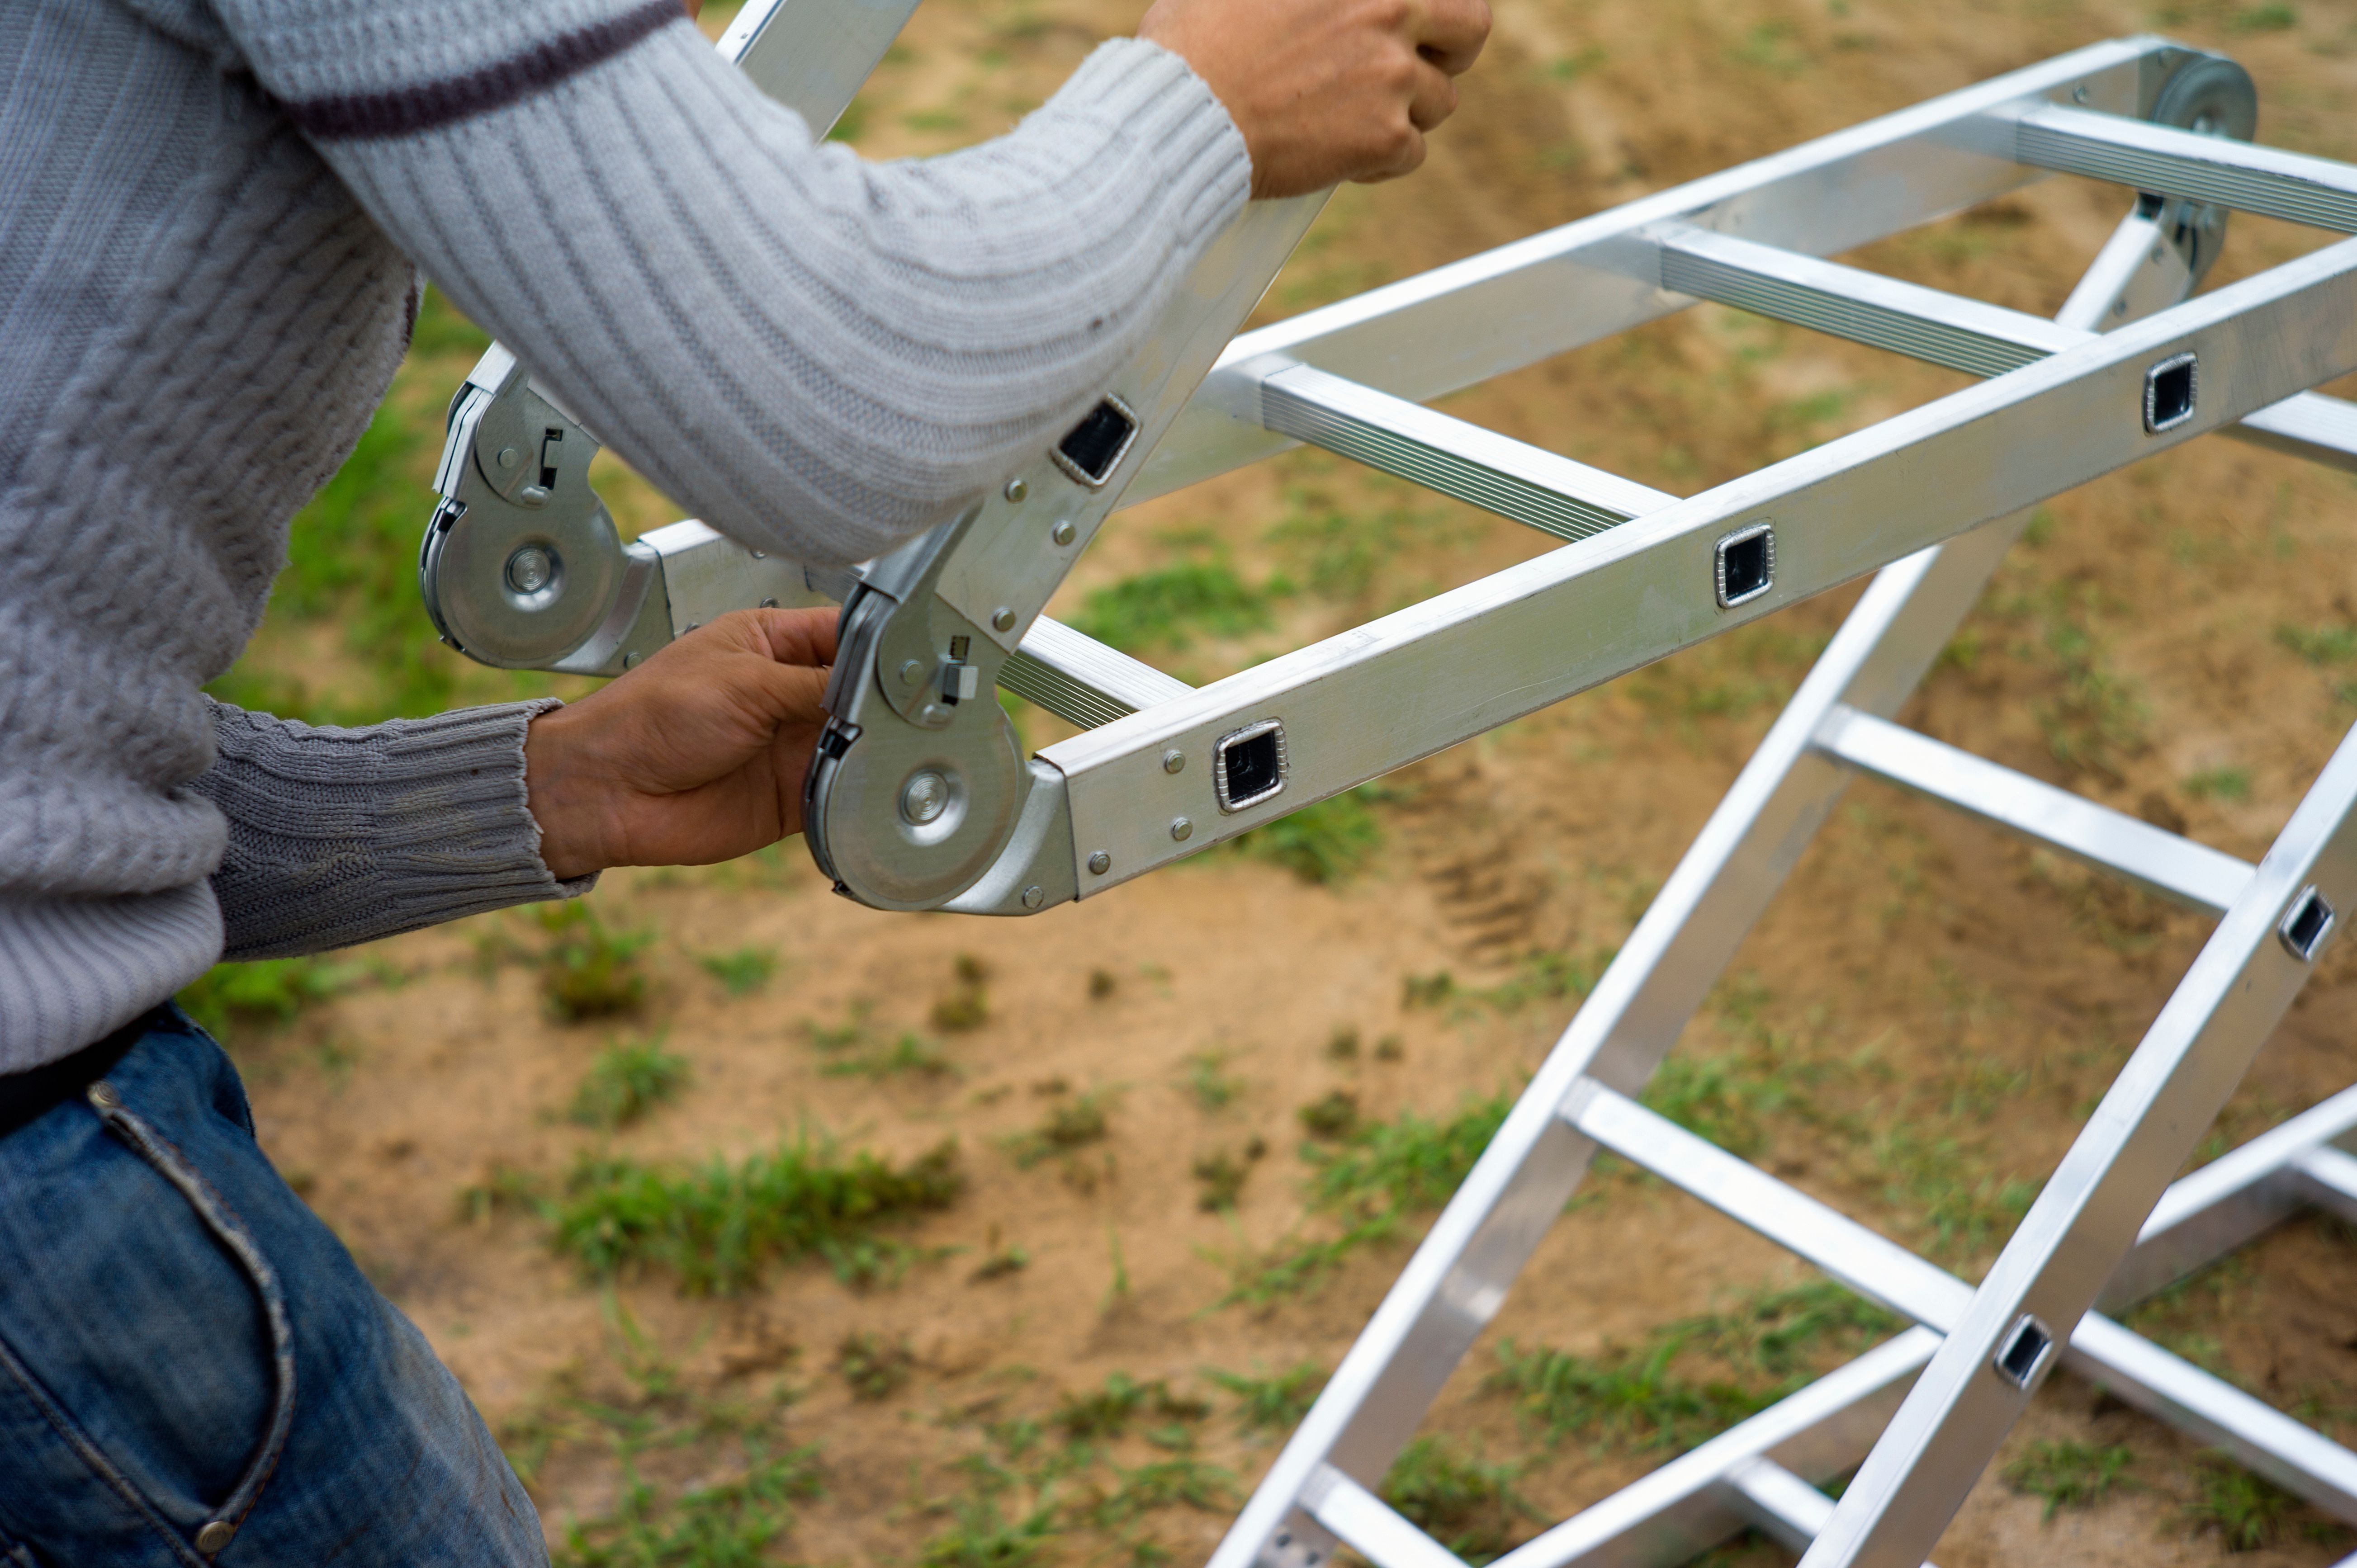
(817, 354)
(338, 836)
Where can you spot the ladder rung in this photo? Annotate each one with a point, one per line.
(1879, 1269)
(1370, 1526)
(1785, 1506)
(1869, 1263)
(1081, 681)
(1685, 1500)
(2159, 159)
(2160, 861)
(1849, 302)
(1940, 328)
(1514, 478)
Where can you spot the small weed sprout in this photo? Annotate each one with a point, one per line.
(2247, 1512)
(2220, 784)
(1214, 1089)
(1109, 1411)
(1391, 1048)
(2068, 1474)
(999, 1263)
(1070, 1127)
(909, 1056)
(1469, 1507)
(588, 970)
(1273, 1403)
(626, 1081)
(1342, 1045)
(1221, 1176)
(743, 971)
(1101, 984)
(1334, 1115)
(875, 1368)
(966, 1006)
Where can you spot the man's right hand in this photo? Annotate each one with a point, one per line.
(1326, 90)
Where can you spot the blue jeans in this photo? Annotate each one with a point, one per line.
(193, 1371)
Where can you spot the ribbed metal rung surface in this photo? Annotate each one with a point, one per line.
(2265, 192)
(1957, 348)
(1565, 517)
(1059, 694)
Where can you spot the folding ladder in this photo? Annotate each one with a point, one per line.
(918, 798)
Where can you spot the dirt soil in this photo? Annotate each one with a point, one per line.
(1914, 1033)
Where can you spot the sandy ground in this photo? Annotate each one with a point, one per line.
(1919, 973)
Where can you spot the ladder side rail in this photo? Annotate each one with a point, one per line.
(1506, 308)
(1943, 328)
(1375, 698)
(1370, 1526)
(2234, 1197)
(2087, 1216)
(2245, 176)
(2166, 864)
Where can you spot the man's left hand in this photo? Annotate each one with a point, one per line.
(695, 757)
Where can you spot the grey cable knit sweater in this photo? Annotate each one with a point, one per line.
(210, 211)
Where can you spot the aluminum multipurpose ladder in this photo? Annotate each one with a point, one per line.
(918, 798)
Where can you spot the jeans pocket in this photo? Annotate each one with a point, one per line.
(231, 1231)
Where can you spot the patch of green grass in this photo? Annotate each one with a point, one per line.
(1691, 1380)
(1409, 1163)
(1538, 977)
(985, 1537)
(628, 1081)
(966, 1006)
(2096, 719)
(588, 970)
(1212, 1088)
(1334, 1115)
(875, 1368)
(1166, 1483)
(1070, 1127)
(910, 1055)
(734, 1514)
(1275, 1403)
(1467, 1505)
(2068, 1474)
(2245, 1511)
(1168, 606)
(1220, 1178)
(2268, 18)
(1297, 1264)
(1331, 842)
(2220, 784)
(2321, 644)
(717, 1225)
(266, 992)
(743, 971)
(1122, 1401)
(1966, 1212)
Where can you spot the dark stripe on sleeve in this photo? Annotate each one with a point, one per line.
(429, 105)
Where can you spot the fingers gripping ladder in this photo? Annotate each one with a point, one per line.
(919, 799)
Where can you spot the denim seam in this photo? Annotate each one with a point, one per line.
(214, 1211)
(79, 1441)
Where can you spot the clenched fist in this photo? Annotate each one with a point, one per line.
(1326, 90)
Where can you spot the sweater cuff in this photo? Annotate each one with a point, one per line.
(338, 836)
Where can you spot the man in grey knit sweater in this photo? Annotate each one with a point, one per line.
(212, 215)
